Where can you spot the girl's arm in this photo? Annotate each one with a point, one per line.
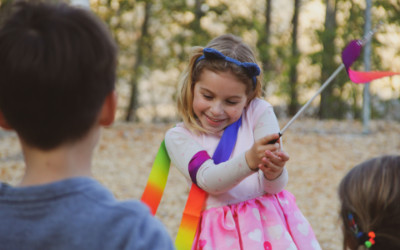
(212, 178)
(219, 178)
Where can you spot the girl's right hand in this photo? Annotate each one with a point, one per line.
(256, 153)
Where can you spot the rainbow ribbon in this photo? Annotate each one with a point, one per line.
(157, 179)
(350, 55)
(197, 197)
(190, 218)
(154, 190)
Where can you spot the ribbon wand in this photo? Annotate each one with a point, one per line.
(326, 83)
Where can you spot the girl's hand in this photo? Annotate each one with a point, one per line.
(256, 154)
(273, 163)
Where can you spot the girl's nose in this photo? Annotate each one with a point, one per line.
(217, 109)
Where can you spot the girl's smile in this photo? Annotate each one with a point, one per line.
(219, 100)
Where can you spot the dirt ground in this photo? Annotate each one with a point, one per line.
(321, 153)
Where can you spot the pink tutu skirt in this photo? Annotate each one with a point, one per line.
(266, 222)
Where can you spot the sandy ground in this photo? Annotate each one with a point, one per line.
(321, 153)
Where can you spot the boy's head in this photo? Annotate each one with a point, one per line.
(57, 65)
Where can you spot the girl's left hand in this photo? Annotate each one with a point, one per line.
(272, 164)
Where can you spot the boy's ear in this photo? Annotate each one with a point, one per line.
(3, 123)
(107, 114)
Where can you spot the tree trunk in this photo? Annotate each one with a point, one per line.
(266, 43)
(268, 12)
(328, 64)
(136, 74)
(294, 103)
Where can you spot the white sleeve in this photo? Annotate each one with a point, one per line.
(212, 178)
(268, 124)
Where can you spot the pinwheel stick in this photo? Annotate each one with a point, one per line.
(362, 42)
(326, 83)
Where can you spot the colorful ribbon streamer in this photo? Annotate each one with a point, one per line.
(154, 190)
(157, 179)
(350, 54)
(197, 196)
(190, 218)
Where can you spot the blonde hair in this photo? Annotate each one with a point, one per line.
(229, 45)
(371, 193)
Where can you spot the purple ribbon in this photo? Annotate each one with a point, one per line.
(222, 152)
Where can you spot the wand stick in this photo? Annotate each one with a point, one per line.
(326, 83)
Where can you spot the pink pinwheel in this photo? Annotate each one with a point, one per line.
(350, 55)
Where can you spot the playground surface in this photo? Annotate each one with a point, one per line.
(321, 153)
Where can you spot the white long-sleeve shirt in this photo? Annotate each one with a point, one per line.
(231, 181)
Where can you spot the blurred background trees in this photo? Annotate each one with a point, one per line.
(298, 43)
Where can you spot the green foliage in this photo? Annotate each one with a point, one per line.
(392, 10)
(174, 26)
(162, 41)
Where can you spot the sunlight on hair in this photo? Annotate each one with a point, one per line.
(81, 3)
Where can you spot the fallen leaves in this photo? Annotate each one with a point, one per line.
(321, 153)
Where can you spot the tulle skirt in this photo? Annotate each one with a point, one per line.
(266, 222)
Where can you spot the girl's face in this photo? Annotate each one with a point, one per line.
(219, 99)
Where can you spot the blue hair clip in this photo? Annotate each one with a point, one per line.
(252, 68)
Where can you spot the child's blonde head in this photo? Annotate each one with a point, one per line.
(230, 46)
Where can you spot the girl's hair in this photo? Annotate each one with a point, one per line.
(229, 45)
(370, 192)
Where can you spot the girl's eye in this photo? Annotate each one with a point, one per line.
(231, 102)
(208, 97)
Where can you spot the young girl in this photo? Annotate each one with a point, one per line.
(246, 206)
(370, 207)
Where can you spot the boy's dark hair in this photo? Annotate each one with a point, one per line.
(57, 65)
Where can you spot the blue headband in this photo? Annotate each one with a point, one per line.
(252, 68)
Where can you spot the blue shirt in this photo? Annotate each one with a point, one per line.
(76, 213)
